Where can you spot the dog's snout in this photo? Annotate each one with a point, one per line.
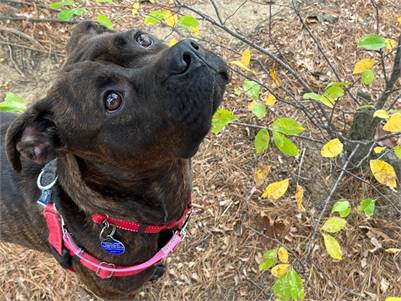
(185, 56)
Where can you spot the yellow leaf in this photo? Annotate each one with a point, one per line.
(135, 8)
(390, 44)
(299, 194)
(280, 269)
(241, 65)
(363, 65)
(393, 124)
(282, 254)
(170, 18)
(251, 105)
(274, 77)
(276, 190)
(332, 148)
(332, 246)
(399, 20)
(172, 42)
(246, 57)
(381, 114)
(379, 149)
(393, 298)
(384, 173)
(261, 174)
(393, 250)
(270, 100)
(195, 31)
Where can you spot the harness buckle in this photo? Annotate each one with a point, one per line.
(99, 270)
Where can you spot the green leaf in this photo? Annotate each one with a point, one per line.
(312, 96)
(12, 103)
(60, 4)
(285, 145)
(105, 1)
(105, 21)
(259, 109)
(334, 92)
(343, 207)
(287, 126)
(155, 16)
(367, 206)
(289, 286)
(188, 22)
(262, 139)
(368, 77)
(332, 246)
(397, 151)
(68, 14)
(251, 89)
(270, 259)
(220, 119)
(334, 224)
(372, 42)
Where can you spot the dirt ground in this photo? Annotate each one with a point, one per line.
(232, 225)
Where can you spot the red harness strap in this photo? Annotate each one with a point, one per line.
(99, 218)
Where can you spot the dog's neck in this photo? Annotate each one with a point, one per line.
(155, 196)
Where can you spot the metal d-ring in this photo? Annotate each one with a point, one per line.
(106, 226)
(47, 187)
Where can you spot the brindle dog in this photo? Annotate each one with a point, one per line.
(123, 118)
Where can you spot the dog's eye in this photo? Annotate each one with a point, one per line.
(144, 40)
(112, 101)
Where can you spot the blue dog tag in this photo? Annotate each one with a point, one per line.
(112, 246)
(44, 197)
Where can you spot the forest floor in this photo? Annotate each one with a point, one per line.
(232, 225)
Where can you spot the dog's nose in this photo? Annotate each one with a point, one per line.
(187, 54)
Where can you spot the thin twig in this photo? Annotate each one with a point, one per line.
(33, 20)
(311, 243)
(216, 10)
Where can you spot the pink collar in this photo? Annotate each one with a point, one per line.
(59, 238)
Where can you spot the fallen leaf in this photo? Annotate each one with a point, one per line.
(363, 65)
(135, 8)
(270, 100)
(246, 57)
(393, 298)
(280, 269)
(282, 254)
(393, 250)
(274, 77)
(276, 190)
(299, 194)
(261, 173)
(332, 148)
(384, 173)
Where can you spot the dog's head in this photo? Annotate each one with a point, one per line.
(123, 98)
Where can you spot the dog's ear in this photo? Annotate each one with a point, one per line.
(33, 135)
